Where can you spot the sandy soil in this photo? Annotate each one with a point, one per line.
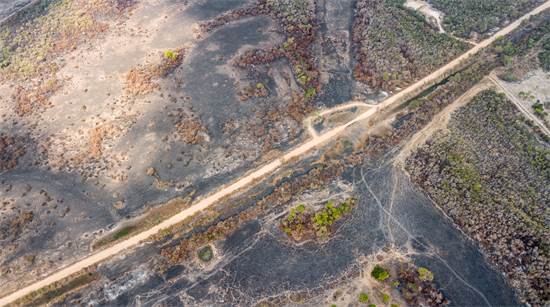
(432, 14)
(536, 84)
(521, 105)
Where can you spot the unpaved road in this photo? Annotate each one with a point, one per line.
(255, 175)
(439, 122)
(348, 105)
(520, 105)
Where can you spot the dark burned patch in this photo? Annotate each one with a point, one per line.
(187, 127)
(298, 24)
(423, 108)
(14, 226)
(314, 179)
(11, 149)
(490, 174)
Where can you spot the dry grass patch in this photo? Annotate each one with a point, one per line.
(142, 80)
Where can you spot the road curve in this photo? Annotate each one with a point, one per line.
(254, 176)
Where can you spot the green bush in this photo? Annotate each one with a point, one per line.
(171, 55)
(363, 297)
(425, 274)
(329, 215)
(379, 273)
(544, 59)
(538, 108)
(205, 254)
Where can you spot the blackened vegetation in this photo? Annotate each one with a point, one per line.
(297, 22)
(415, 284)
(490, 174)
(420, 110)
(314, 179)
(12, 229)
(395, 47)
(11, 149)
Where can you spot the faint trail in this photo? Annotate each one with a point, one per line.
(519, 105)
(309, 120)
(392, 199)
(213, 272)
(434, 253)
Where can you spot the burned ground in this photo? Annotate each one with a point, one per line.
(489, 173)
(153, 105)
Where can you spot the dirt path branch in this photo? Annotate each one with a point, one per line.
(521, 107)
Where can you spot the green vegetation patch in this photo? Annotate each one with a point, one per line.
(466, 16)
(538, 108)
(29, 45)
(425, 274)
(301, 223)
(363, 297)
(206, 253)
(379, 273)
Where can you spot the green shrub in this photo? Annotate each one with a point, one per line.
(171, 55)
(544, 59)
(310, 92)
(379, 273)
(425, 274)
(329, 215)
(415, 103)
(205, 254)
(123, 232)
(539, 110)
(363, 297)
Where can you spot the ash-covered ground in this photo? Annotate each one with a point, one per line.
(117, 128)
(392, 223)
(130, 111)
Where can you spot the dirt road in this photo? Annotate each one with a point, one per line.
(439, 122)
(520, 105)
(255, 175)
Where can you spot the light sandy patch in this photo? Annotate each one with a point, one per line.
(533, 88)
(432, 15)
(527, 110)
